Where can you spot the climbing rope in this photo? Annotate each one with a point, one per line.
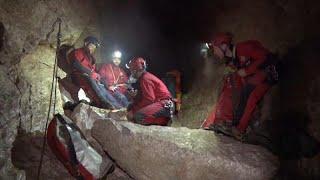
(53, 90)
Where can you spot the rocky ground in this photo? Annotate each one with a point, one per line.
(152, 152)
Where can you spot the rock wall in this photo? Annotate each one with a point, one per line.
(27, 52)
(289, 28)
(279, 25)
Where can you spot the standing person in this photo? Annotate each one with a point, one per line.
(115, 79)
(152, 103)
(255, 65)
(85, 76)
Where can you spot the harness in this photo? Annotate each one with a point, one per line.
(169, 106)
(271, 67)
(115, 80)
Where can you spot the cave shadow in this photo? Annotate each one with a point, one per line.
(299, 67)
(288, 133)
(2, 30)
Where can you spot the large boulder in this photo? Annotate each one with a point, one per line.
(154, 152)
(84, 117)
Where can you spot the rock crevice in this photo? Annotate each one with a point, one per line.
(2, 30)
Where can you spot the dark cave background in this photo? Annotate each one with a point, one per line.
(168, 34)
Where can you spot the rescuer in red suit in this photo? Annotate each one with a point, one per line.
(252, 63)
(152, 103)
(115, 79)
(85, 76)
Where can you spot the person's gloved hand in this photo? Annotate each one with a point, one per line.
(228, 70)
(112, 88)
(242, 72)
(95, 76)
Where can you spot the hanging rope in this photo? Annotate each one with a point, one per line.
(53, 89)
(56, 68)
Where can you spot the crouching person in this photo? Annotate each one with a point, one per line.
(85, 76)
(256, 72)
(152, 104)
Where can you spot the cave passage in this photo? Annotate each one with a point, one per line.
(231, 80)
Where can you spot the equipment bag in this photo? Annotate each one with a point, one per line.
(72, 149)
(62, 58)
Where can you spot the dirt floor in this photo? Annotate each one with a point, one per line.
(199, 101)
(194, 110)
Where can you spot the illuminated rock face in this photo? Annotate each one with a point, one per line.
(154, 152)
(27, 53)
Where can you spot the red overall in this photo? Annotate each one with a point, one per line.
(148, 107)
(255, 55)
(251, 54)
(88, 62)
(113, 75)
(224, 109)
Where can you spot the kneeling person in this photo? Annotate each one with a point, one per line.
(152, 103)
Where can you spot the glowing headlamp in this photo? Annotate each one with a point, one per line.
(117, 54)
(204, 50)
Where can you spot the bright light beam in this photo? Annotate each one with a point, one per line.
(117, 54)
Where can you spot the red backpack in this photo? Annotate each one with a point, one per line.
(72, 149)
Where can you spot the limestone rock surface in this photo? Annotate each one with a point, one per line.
(27, 53)
(154, 152)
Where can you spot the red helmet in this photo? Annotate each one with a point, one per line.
(222, 38)
(137, 64)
